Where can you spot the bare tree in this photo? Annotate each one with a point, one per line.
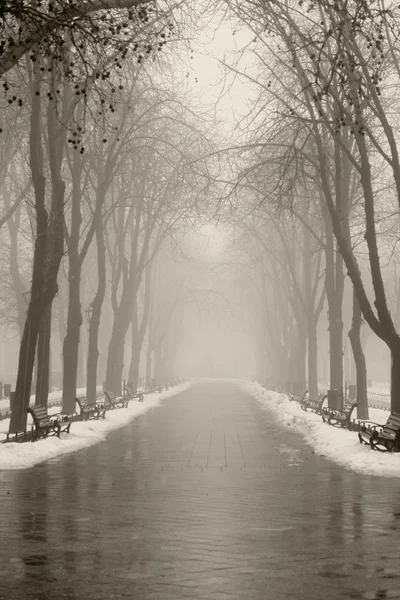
(329, 88)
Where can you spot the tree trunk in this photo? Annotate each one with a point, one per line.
(74, 315)
(115, 358)
(80, 374)
(18, 285)
(122, 320)
(54, 254)
(297, 372)
(93, 355)
(135, 363)
(312, 272)
(27, 351)
(359, 359)
(395, 378)
(25, 368)
(116, 364)
(62, 332)
(49, 244)
(148, 367)
(97, 303)
(170, 352)
(158, 363)
(283, 359)
(397, 310)
(334, 285)
(312, 357)
(71, 340)
(43, 359)
(336, 348)
(138, 333)
(35, 309)
(133, 373)
(334, 293)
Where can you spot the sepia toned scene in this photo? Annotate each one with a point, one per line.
(199, 299)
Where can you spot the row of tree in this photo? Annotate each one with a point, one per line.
(318, 176)
(115, 155)
(100, 169)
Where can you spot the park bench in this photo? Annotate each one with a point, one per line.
(47, 425)
(366, 429)
(155, 386)
(297, 398)
(315, 406)
(91, 411)
(385, 438)
(131, 395)
(339, 418)
(113, 401)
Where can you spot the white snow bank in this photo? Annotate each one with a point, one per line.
(83, 434)
(337, 444)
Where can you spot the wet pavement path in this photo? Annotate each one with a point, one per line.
(203, 497)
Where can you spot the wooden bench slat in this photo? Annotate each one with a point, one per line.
(393, 426)
(39, 412)
(388, 433)
(395, 417)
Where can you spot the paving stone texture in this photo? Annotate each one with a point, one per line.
(204, 497)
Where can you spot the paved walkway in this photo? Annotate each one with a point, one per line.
(204, 497)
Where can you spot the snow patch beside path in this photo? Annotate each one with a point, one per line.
(83, 434)
(339, 445)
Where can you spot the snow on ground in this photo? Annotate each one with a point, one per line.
(339, 445)
(82, 435)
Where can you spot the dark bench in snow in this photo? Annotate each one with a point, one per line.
(297, 398)
(91, 411)
(131, 395)
(339, 418)
(47, 425)
(366, 429)
(385, 438)
(315, 406)
(156, 386)
(113, 401)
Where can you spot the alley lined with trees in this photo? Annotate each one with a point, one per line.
(203, 193)
(105, 150)
(115, 162)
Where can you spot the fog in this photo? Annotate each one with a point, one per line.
(186, 214)
(199, 299)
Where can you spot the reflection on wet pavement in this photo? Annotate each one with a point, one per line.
(204, 497)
